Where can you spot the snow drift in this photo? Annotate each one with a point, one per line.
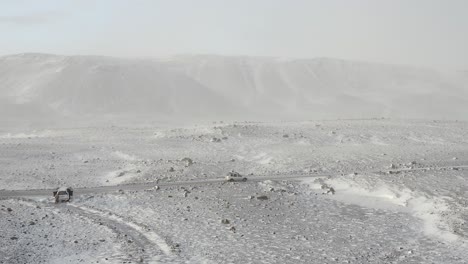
(35, 86)
(434, 212)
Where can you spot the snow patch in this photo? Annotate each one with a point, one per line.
(260, 158)
(120, 176)
(123, 174)
(34, 134)
(432, 211)
(263, 158)
(124, 156)
(159, 134)
(378, 141)
(424, 139)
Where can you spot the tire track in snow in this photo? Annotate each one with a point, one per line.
(147, 239)
(116, 253)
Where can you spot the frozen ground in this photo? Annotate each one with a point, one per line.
(378, 213)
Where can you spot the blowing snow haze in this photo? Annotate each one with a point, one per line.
(303, 60)
(51, 87)
(208, 131)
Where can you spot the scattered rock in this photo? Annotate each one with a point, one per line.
(171, 169)
(300, 237)
(330, 191)
(285, 135)
(327, 189)
(13, 238)
(233, 173)
(225, 221)
(188, 161)
(262, 197)
(215, 139)
(9, 209)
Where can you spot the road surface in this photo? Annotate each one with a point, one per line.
(148, 185)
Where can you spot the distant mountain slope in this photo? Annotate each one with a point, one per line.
(208, 86)
(330, 86)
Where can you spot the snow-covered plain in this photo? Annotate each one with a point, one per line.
(400, 193)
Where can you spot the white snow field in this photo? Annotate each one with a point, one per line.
(381, 176)
(344, 191)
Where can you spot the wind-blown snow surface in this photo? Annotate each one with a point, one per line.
(41, 86)
(401, 193)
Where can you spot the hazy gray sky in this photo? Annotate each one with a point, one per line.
(419, 32)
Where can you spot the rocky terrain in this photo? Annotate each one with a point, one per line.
(389, 191)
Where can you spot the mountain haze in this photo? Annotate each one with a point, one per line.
(42, 86)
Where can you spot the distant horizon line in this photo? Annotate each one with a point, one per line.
(239, 56)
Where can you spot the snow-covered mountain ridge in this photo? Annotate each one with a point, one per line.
(35, 85)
